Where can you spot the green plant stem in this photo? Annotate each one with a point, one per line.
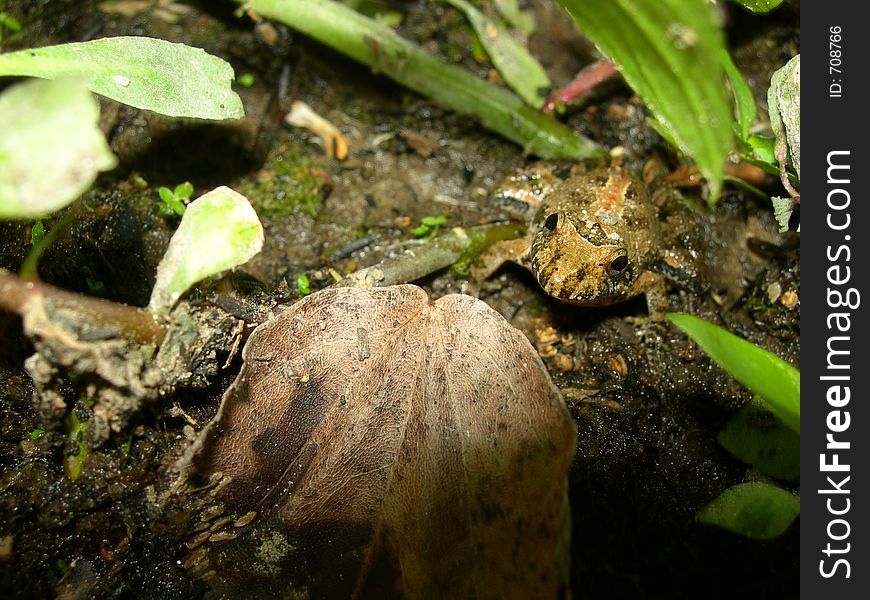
(382, 49)
(19, 296)
(431, 256)
(30, 266)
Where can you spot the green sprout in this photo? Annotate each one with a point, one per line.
(37, 232)
(303, 284)
(128, 445)
(95, 286)
(8, 23)
(173, 202)
(429, 226)
(36, 433)
(245, 80)
(78, 434)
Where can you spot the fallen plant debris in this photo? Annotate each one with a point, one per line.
(379, 443)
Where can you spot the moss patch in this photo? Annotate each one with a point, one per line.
(289, 182)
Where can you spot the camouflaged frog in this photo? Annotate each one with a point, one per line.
(597, 237)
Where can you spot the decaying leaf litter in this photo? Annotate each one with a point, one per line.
(647, 407)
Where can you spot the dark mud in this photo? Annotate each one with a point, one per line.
(648, 403)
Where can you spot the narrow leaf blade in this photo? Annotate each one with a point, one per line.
(762, 372)
(520, 70)
(744, 102)
(670, 53)
(381, 48)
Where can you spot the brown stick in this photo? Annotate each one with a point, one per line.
(136, 324)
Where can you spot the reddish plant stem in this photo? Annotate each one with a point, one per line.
(584, 83)
(136, 324)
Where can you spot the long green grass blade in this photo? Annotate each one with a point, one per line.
(382, 49)
(767, 375)
(670, 53)
(520, 70)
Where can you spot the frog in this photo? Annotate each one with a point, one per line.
(598, 236)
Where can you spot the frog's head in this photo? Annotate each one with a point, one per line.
(581, 267)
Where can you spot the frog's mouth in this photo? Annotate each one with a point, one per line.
(578, 287)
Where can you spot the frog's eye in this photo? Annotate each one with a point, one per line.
(618, 264)
(551, 222)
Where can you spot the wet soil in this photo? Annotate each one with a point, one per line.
(647, 402)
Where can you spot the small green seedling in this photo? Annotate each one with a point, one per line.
(8, 23)
(95, 286)
(429, 226)
(245, 80)
(78, 434)
(173, 202)
(128, 445)
(37, 232)
(303, 284)
(36, 434)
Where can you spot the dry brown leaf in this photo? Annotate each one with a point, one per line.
(391, 447)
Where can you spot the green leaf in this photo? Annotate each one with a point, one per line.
(303, 284)
(764, 149)
(761, 440)
(759, 6)
(166, 194)
(744, 102)
(765, 374)
(9, 22)
(784, 107)
(177, 206)
(218, 231)
(670, 53)
(183, 190)
(516, 18)
(246, 80)
(782, 209)
(171, 79)
(759, 511)
(37, 232)
(51, 148)
(383, 50)
(520, 70)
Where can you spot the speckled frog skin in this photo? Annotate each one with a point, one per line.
(594, 238)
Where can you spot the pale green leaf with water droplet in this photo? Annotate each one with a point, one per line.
(171, 79)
